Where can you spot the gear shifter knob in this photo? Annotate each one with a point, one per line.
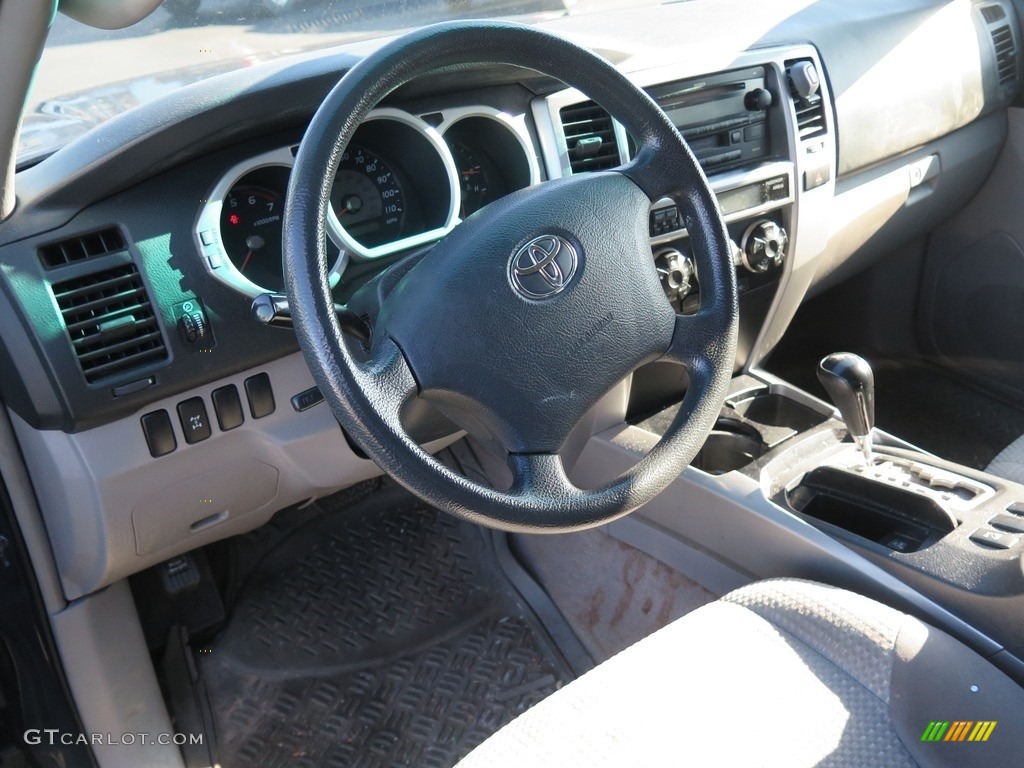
(849, 382)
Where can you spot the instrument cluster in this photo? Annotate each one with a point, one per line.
(404, 181)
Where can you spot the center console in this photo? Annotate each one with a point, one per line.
(762, 130)
(781, 488)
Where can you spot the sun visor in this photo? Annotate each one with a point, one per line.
(108, 14)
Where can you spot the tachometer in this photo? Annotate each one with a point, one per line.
(250, 229)
(238, 229)
(367, 198)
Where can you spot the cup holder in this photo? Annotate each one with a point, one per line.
(730, 445)
(754, 420)
(777, 416)
(775, 410)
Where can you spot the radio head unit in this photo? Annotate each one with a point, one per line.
(723, 117)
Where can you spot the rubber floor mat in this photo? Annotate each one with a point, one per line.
(381, 635)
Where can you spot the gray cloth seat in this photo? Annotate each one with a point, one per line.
(780, 673)
(1010, 462)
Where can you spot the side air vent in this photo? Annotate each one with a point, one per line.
(110, 320)
(81, 248)
(589, 137)
(810, 109)
(1006, 54)
(993, 13)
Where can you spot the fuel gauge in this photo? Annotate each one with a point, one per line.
(490, 158)
(476, 180)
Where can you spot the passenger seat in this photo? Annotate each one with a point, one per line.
(1010, 462)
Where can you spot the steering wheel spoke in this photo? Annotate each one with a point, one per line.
(697, 338)
(540, 476)
(648, 172)
(388, 378)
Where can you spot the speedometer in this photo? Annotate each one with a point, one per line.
(367, 198)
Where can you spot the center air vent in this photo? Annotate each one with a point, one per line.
(110, 321)
(1006, 54)
(589, 137)
(810, 108)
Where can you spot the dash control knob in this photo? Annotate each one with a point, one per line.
(805, 80)
(764, 245)
(676, 273)
(758, 100)
(193, 326)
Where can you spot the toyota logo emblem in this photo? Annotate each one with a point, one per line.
(543, 267)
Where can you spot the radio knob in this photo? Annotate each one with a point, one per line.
(764, 245)
(758, 100)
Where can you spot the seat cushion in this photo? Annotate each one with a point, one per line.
(1010, 462)
(779, 673)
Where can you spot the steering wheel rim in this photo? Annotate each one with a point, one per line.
(367, 397)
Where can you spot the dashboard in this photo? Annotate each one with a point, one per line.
(137, 377)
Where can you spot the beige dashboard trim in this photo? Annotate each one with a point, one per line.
(104, 478)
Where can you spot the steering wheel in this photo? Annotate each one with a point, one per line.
(530, 310)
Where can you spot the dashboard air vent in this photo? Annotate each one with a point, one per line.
(1006, 54)
(993, 13)
(810, 110)
(110, 320)
(81, 248)
(589, 137)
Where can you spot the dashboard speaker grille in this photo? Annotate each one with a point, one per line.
(1006, 54)
(82, 247)
(589, 137)
(110, 321)
(810, 112)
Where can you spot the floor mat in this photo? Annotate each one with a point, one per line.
(381, 635)
(630, 597)
(926, 405)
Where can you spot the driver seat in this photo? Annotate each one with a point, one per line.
(779, 673)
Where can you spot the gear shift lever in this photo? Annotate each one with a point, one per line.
(849, 382)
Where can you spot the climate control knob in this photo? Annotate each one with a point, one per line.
(676, 273)
(764, 245)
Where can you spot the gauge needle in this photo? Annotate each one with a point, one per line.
(254, 243)
(350, 204)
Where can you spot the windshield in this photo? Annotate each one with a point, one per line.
(89, 75)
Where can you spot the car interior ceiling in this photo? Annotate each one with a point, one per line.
(204, 531)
